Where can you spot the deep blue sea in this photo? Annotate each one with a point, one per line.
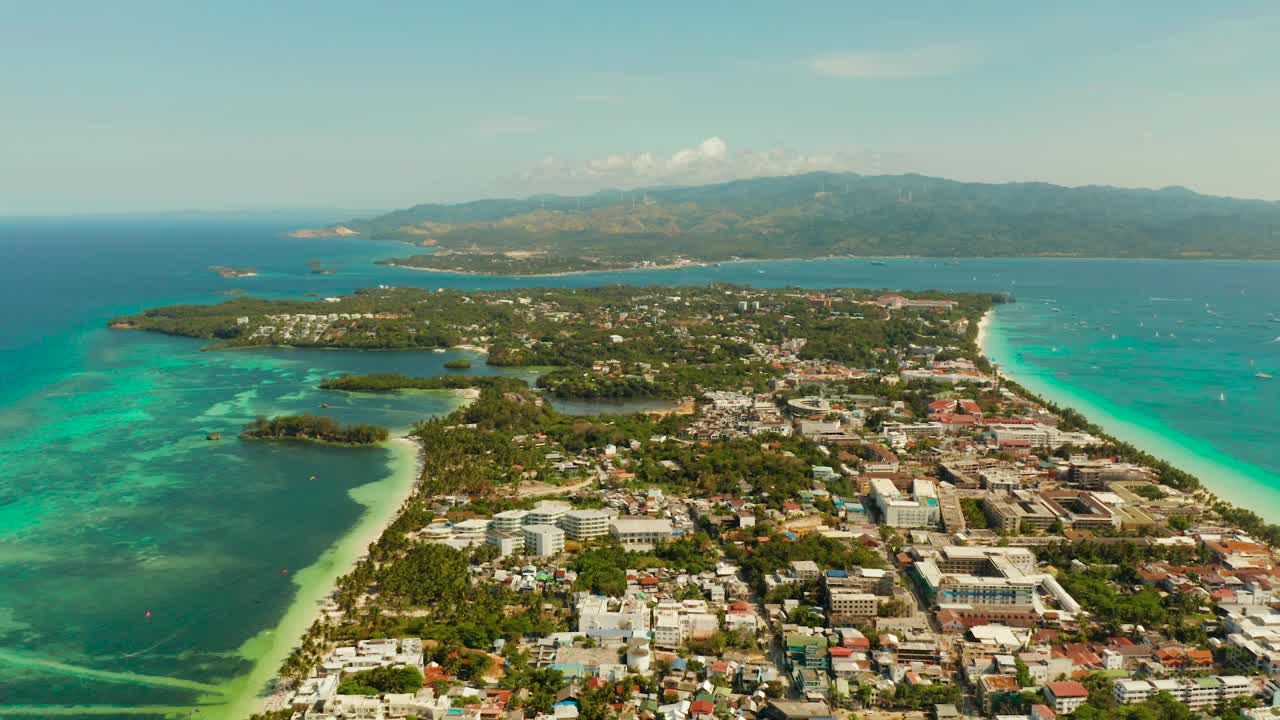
(113, 505)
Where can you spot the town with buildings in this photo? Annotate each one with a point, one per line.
(852, 514)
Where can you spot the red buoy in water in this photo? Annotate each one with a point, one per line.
(146, 614)
(285, 571)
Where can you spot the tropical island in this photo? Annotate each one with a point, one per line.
(332, 231)
(233, 272)
(856, 503)
(820, 215)
(315, 428)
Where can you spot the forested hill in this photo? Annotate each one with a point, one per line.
(823, 214)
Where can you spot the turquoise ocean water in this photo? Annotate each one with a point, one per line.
(113, 505)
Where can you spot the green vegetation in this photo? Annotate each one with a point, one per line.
(540, 683)
(916, 697)
(1150, 492)
(387, 382)
(578, 384)
(313, 427)
(381, 680)
(609, 342)
(1114, 595)
(603, 569)
(825, 214)
(458, 364)
(974, 517)
(282, 714)
(769, 557)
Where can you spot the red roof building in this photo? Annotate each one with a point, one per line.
(1065, 696)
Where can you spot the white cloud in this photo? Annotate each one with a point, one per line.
(932, 61)
(709, 161)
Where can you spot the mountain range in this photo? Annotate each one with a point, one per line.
(826, 214)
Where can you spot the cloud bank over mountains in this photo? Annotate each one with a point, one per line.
(711, 160)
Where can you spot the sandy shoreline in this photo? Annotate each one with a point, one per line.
(984, 327)
(383, 499)
(1222, 477)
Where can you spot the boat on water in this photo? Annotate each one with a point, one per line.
(1263, 376)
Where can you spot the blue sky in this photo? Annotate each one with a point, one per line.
(139, 106)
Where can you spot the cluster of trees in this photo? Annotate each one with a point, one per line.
(387, 382)
(426, 574)
(1150, 492)
(769, 557)
(602, 568)
(282, 714)
(773, 474)
(915, 697)
(470, 450)
(1250, 521)
(1128, 553)
(313, 427)
(465, 662)
(974, 517)
(1100, 596)
(541, 684)
(381, 680)
(574, 383)
(1105, 591)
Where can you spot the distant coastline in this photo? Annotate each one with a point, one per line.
(639, 268)
(324, 232)
(870, 258)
